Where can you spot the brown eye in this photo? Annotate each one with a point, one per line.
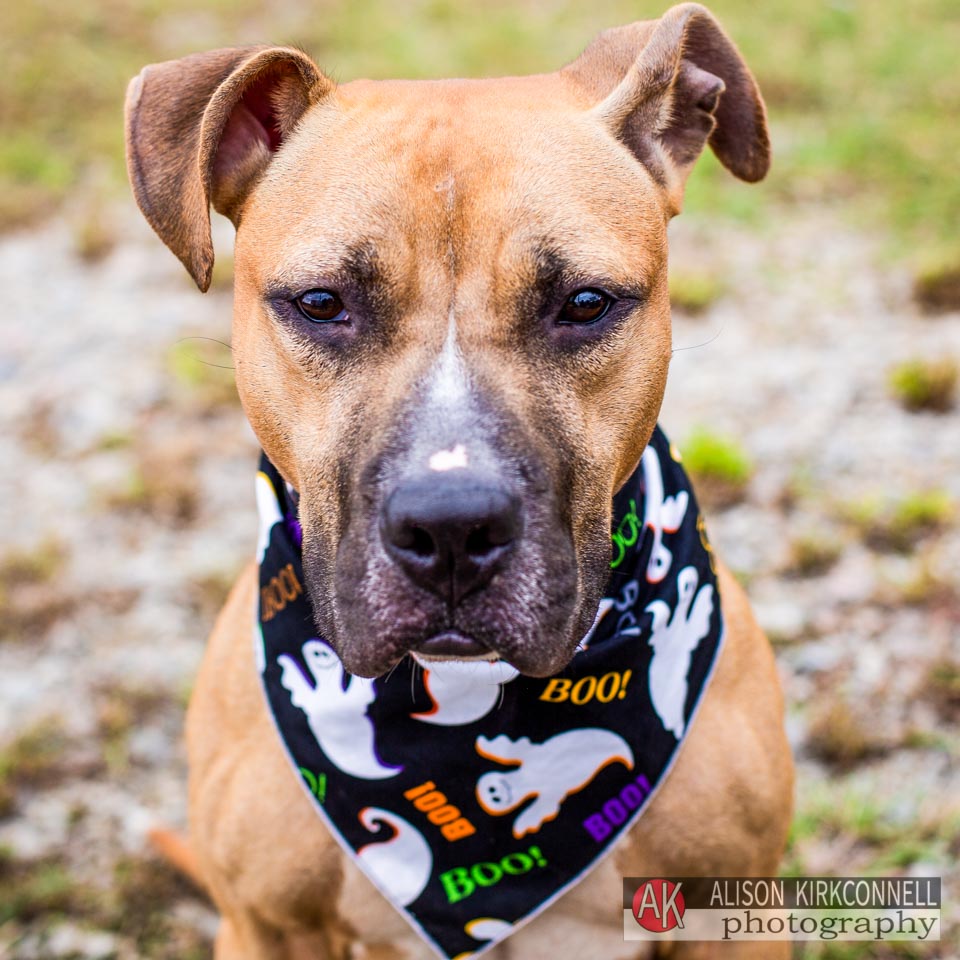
(584, 306)
(321, 306)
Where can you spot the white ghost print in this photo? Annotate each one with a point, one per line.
(400, 866)
(673, 641)
(660, 514)
(549, 771)
(268, 513)
(463, 691)
(337, 717)
(485, 929)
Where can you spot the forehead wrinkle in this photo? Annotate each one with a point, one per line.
(552, 259)
(356, 262)
(552, 267)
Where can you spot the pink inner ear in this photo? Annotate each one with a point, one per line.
(243, 137)
(258, 102)
(251, 128)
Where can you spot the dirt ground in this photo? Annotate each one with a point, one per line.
(127, 507)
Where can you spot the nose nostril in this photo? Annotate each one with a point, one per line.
(478, 542)
(482, 541)
(421, 543)
(412, 539)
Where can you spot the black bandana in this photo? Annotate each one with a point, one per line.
(471, 796)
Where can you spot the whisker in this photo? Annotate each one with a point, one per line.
(413, 675)
(696, 346)
(389, 673)
(223, 343)
(208, 363)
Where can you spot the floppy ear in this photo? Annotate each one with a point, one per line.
(666, 87)
(202, 129)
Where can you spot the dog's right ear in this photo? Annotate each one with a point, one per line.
(202, 130)
(666, 88)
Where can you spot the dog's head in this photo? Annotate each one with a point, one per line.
(451, 326)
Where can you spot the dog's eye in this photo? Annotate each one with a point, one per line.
(321, 306)
(584, 306)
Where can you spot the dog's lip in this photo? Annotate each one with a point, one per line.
(453, 645)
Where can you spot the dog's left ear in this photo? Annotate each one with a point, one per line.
(202, 130)
(667, 87)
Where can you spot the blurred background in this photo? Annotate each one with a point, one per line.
(813, 393)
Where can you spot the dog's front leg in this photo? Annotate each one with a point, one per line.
(237, 940)
(244, 938)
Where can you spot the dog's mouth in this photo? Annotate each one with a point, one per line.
(453, 645)
(530, 612)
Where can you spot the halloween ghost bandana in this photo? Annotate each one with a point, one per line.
(470, 795)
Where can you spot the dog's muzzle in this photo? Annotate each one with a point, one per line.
(451, 534)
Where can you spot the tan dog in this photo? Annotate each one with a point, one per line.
(471, 269)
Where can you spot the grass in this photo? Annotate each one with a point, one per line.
(162, 484)
(877, 835)
(925, 384)
(30, 599)
(692, 293)
(841, 737)
(120, 707)
(813, 554)
(35, 889)
(138, 905)
(202, 368)
(936, 285)
(833, 810)
(923, 585)
(19, 567)
(94, 234)
(114, 440)
(856, 810)
(719, 466)
(900, 524)
(143, 893)
(858, 99)
(922, 513)
(941, 687)
(865, 950)
(38, 757)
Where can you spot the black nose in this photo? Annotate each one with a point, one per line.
(450, 533)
